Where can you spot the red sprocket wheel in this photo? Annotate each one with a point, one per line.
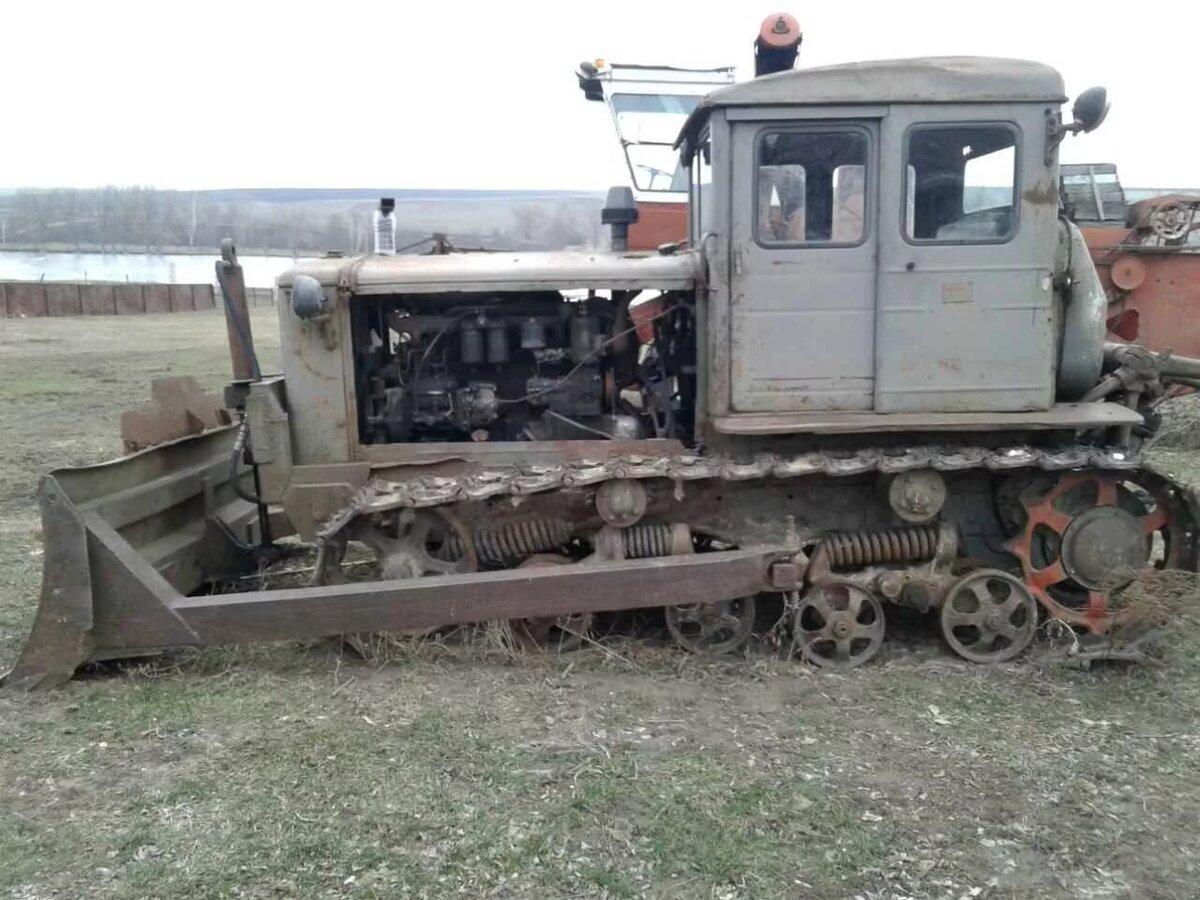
(1086, 538)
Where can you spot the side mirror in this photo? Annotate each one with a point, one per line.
(1090, 109)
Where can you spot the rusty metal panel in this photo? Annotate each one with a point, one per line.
(128, 299)
(3, 300)
(97, 300)
(179, 407)
(203, 296)
(477, 597)
(180, 297)
(658, 224)
(1164, 305)
(63, 300)
(26, 299)
(157, 298)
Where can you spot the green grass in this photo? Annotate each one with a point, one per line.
(277, 770)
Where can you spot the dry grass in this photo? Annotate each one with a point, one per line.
(458, 766)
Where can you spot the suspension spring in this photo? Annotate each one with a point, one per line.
(645, 541)
(892, 545)
(515, 540)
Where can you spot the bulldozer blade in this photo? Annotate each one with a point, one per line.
(130, 543)
(122, 539)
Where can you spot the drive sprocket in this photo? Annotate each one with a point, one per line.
(1087, 536)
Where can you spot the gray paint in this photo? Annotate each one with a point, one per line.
(890, 325)
(503, 272)
(947, 79)
(1084, 320)
(967, 327)
(801, 317)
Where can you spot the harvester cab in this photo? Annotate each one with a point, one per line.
(877, 376)
(647, 106)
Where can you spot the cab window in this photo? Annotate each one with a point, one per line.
(960, 183)
(811, 187)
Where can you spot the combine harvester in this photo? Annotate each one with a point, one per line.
(1147, 254)
(856, 390)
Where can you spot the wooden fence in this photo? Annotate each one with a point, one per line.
(61, 298)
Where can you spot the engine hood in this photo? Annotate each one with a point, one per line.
(502, 272)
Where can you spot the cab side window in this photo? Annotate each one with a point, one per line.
(960, 183)
(811, 187)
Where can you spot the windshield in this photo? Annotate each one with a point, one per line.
(648, 125)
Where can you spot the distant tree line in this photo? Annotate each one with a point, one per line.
(157, 221)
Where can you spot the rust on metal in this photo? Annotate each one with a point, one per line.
(1101, 546)
(179, 407)
(237, 313)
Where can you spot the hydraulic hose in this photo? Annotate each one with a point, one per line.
(239, 447)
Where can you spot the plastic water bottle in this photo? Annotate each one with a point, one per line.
(384, 222)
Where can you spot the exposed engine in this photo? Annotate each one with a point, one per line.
(511, 367)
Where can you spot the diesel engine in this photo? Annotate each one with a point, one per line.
(511, 367)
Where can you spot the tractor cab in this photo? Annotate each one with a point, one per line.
(882, 238)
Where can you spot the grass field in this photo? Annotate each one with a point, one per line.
(287, 771)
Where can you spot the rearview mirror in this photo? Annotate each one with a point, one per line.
(1090, 109)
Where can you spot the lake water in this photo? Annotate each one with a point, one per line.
(260, 271)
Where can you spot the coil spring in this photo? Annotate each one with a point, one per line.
(514, 540)
(645, 541)
(863, 548)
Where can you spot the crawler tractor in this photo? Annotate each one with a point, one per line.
(856, 386)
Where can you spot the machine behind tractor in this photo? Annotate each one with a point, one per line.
(865, 384)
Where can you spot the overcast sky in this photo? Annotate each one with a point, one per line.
(471, 94)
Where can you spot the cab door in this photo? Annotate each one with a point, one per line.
(968, 236)
(803, 249)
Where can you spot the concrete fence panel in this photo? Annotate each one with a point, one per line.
(26, 299)
(97, 299)
(157, 297)
(129, 299)
(62, 298)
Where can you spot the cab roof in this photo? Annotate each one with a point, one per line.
(937, 79)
